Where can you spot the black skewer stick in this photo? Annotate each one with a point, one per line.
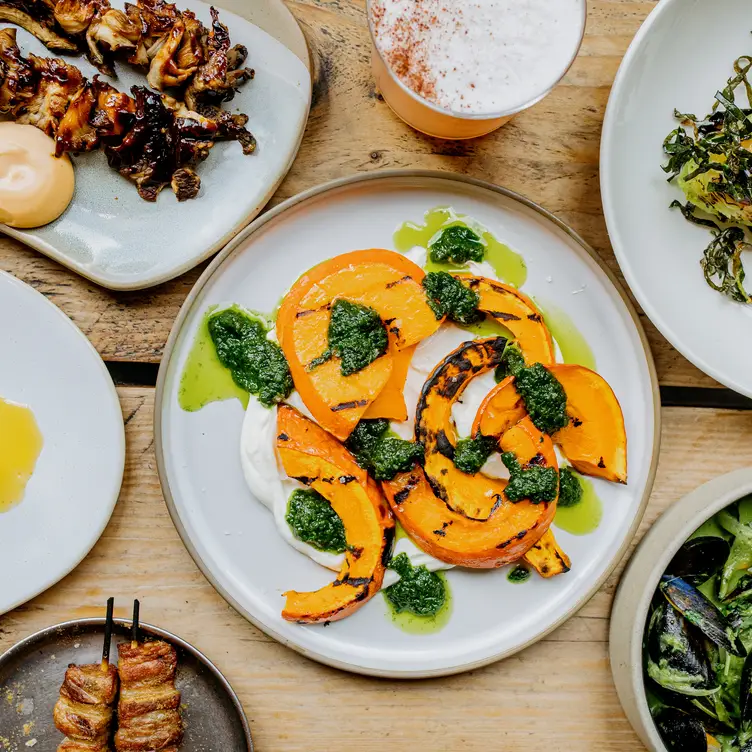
(107, 634)
(134, 623)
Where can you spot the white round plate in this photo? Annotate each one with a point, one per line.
(48, 365)
(110, 235)
(680, 58)
(233, 538)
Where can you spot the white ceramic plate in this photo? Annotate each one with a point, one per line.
(680, 58)
(47, 364)
(233, 538)
(115, 238)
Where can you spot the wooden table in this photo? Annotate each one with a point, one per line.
(555, 696)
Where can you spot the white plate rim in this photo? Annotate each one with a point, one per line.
(227, 252)
(610, 211)
(110, 502)
(28, 238)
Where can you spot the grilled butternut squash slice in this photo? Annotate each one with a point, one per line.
(518, 313)
(474, 496)
(311, 455)
(547, 557)
(383, 280)
(391, 401)
(500, 410)
(595, 441)
(508, 534)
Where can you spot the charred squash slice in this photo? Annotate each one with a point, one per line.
(500, 410)
(547, 557)
(518, 313)
(474, 496)
(383, 280)
(595, 441)
(311, 455)
(507, 535)
(391, 401)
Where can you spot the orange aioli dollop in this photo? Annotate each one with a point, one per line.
(35, 186)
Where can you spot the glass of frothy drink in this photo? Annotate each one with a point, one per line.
(462, 68)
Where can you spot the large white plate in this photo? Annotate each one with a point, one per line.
(680, 58)
(47, 364)
(233, 538)
(115, 238)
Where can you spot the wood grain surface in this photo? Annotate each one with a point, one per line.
(556, 696)
(548, 153)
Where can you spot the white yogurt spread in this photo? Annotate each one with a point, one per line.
(478, 56)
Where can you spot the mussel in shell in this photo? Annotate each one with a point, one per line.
(699, 559)
(700, 612)
(677, 658)
(683, 733)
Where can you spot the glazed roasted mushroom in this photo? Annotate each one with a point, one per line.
(16, 74)
(36, 18)
(108, 33)
(74, 16)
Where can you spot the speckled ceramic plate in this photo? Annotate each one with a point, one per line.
(32, 671)
(48, 365)
(233, 538)
(115, 238)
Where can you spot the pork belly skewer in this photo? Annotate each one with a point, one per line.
(85, 707)
(149, 719)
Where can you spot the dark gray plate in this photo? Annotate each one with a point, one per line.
(32, 671)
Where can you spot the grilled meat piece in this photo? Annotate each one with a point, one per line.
(149, 702)
(84, 709)
(38, 19)
(216, 80)
(16, 75)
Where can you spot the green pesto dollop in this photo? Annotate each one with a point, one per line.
(519, 574)
(544, 397)
(313, 521)
(418, 591)
(447, 296)
(257, 364)
(471, 454)
(570, 488)
(532, 482)
(457, 244)
(356, 335)
(381, 454)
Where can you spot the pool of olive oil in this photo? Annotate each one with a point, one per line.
(574, 347)
(585, 516)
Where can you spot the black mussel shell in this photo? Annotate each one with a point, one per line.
(742, 590)
(678, 646)
(700, 612)
(699, 559)
(681, 732)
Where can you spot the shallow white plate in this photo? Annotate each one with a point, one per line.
(115, 238)
(680, 58)
(47, 364)
(233, 538)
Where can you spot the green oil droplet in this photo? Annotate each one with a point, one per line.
(585, 516)
(508, 265)
(574, 347)
(488, 327)
(204, 378)
(422, 625)
(519, 575)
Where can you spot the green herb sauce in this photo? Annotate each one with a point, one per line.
(313, 521)
(574, 347)
(508, 265)
(381, 454)
(357, 336)
(456, 245)
(447, 296)
(519, 574)
(570, 488)
(531, 482)
(257, 364)
(204, 378)
(471, 454)
(583, 517)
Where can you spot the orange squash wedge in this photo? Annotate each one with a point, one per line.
(311, 455)
(518, 313)
(547, 557)
(383, 280)
(474, 496)
(500, 410)
(506, 536)
(595, 441)
(391, 401)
